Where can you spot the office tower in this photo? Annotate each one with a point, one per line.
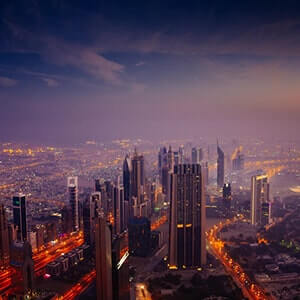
(4, 238)
(21, 260)
(181, 155)
(32, 240)
(40, 235)
(73, 201)
(260, 202)
(197, 155)
(67, 223)
(137, 181)
(162, 159)
(170, 159)
(220, 167)
(187, 247)
(120, 267)
(20, 218)
(227, 198)
(205, 170)
(91, 210)
(127, 169)
(139, 233)
(51, 232)
(176, 158)
(238, 161)
(103, 260)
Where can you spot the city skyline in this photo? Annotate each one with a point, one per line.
(72, 71)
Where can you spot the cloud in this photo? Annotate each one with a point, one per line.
(51, 82)
(141, 63)
(7, 82)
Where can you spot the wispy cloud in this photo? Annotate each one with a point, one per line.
(51, 82)
(7, 82)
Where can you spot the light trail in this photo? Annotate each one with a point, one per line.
(250, 289)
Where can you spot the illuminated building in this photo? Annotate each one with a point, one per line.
(91, 209)
(73, 201)
(260, 202)
(137, 181)
(4, 238)
(205, 171)
(120, 267)
(20, 217)
(139, 232)
(187, 248)
(227, 198)
(103, 260)
(220, 167)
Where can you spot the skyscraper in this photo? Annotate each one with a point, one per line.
(187, 247)
(4, 238)
(91, 208)
(73, 201)
(260, 202)
(139, 231)
(220, 167)
(103, 260)
(227, 196)
(197, 155)
(127, 169)
(20, 218)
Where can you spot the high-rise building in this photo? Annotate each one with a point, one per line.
(66, 219)
(227, 198)
(127, 170)
(197, 155)
(205, 170)
(21, 260)
(260, 202)
(91, 210)
(220, 167)
(4, 238)
(137, 163)
(20, 217)
(139, 232)
(120, 267)
(238, 161)
(103, 260)
(187, 248)
(73, 201)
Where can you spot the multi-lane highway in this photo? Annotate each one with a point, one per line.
(250, 289)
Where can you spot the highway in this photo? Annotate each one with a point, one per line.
(250, 289)
(43, 257)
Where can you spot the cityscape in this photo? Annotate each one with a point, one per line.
(149, 151)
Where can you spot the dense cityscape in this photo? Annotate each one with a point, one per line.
(136, 220)
(149, 150)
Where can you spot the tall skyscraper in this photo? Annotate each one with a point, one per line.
(187, 248)
(197, 155)
(127, 170)
(73, 201)
(20, 217)
(227, 198)
(260, 202)
(4, 238)
(103, 260)
(120, 267)
(139, 231)
(220, 167)
(91, 209)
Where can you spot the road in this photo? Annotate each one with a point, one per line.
(250, 289)
(43, 257)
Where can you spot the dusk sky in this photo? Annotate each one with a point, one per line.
(77, 70)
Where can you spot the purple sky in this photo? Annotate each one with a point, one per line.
(71, 71)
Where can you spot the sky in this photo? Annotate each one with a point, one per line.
(75, 70)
